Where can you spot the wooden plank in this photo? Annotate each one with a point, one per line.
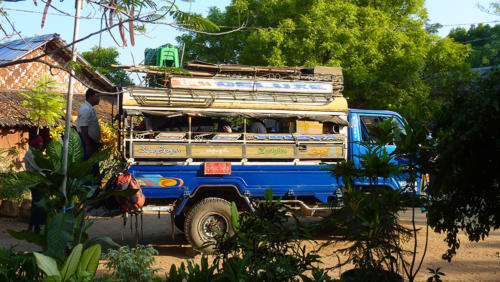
(216, 151)
(270, 151)
(322, 152)
(159, 150)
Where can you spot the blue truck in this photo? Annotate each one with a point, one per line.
(187, 166)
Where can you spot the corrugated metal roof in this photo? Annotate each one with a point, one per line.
(18, 48)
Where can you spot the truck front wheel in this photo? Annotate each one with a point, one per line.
(204, 218)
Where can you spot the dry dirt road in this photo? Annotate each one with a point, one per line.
(474, 261)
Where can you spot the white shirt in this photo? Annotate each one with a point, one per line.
(29, 161)
(87, 117)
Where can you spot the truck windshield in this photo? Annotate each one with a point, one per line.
(370, 122)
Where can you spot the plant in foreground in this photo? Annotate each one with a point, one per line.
(132, 264)
(66, 223)
(77, 267)
(264, 247)
(368, 220)
(436, 275)
(17, 266)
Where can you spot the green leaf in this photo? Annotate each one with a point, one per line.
(47, 264)
(90, 259)
(198, 22)
(268, 194)
(75, 147)
(235, 217)
(24, 180)
(104, 239)
(28, 236)
(60, 233)
(71, 264)
(81, 169)
(41, 160)
(51, 279)
(54, 153)
(45, 104)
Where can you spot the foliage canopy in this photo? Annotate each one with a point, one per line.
(44, 101)
(466, 188)
(484, 41)
(102, 59)
(389, 59)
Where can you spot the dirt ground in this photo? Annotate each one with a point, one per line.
(474, 261)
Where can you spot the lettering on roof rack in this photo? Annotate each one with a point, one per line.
(245, 85)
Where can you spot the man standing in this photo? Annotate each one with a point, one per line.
(88, 126)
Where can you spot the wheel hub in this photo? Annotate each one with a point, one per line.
(211, 223)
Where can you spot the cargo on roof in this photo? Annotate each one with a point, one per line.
(244, 87)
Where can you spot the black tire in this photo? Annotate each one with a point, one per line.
(179, 221)
(202, 218)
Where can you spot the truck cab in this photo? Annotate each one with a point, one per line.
(361, 124)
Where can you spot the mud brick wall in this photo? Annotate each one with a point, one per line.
(14, 137)
(23, 75)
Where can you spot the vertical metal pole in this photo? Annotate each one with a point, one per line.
(189, 129)
(67, 126)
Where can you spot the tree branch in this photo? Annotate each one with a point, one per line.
(138, 18)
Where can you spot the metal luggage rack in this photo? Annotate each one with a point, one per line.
(178, 97)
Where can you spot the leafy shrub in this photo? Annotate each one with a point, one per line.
(44, 101)
(436, 275)
(464, 188)
(264, 247)
(132, 264)
(17, 266)
(193, 272)
(66, 224)
(7, 190)
(6, 156)
(368, 222)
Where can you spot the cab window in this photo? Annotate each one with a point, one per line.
(370, 123)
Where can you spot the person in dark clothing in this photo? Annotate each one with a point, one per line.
(37, 215)
(257, 126)
(89, 128)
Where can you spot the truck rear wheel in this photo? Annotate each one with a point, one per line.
(203, 218)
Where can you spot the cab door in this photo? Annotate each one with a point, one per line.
(367, 122)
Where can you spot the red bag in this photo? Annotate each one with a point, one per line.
(124, 182)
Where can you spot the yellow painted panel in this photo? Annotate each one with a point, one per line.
(159, 150)
(322, 152)
(271, 151)
(309, 127)
(213, 151)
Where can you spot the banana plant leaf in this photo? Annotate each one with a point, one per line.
(30, 237)
(75, 147)
(60, 233)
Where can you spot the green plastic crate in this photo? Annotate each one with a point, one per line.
(168, 56)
